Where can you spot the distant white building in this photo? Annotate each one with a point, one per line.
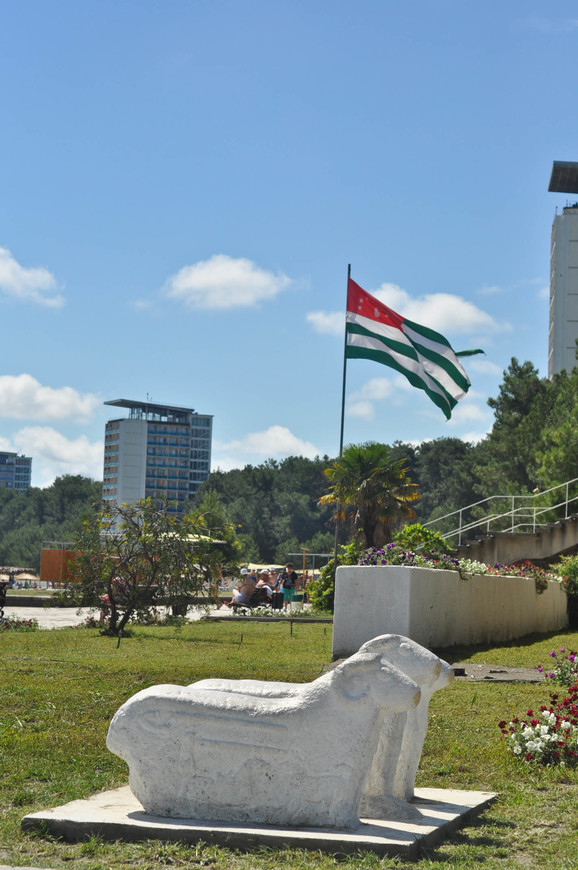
(158, 451)
(15, 471)
(563, 327)
(563, 330)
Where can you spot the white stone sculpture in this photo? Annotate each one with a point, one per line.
(249, 751)
(391, 780)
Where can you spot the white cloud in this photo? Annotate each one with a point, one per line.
(223, 282)
(327, 322)
(483, 366)
(375, 388)
(444, 312)
(32, 285)
(361, 402)
(362, 409)
(54, 455)
(491, 290)
(469, 411)
(22, 397)
(475, 437)
(141, 304)
(276, 442)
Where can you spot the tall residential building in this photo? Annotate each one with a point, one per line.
(563, 328)
(158, 451)
(15, 471)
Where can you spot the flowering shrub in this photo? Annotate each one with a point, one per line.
(567, 568)
(564, 669)
(527, 569)
(394, 554)
(89, 622)
(548, 737)
(471, 566)
(13, 623)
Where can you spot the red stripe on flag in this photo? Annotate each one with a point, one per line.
(360, 302)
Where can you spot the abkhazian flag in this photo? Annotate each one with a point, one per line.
(425, 357)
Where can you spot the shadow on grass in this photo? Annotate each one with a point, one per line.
(463, 653)
(469, 838)
(206, 641)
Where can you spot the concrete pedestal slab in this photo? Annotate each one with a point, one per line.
(117, 815)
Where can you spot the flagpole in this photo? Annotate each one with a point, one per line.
(344, 368)
(342, 416)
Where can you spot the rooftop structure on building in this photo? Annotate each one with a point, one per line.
(15, 471)
(158, 451)
(563, 321)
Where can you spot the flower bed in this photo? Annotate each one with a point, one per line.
(14, 623)
(393, 554)
(549, 737)
(564, 669)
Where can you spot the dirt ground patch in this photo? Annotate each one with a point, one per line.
(495, 673)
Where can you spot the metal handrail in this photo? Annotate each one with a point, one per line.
(534, 511)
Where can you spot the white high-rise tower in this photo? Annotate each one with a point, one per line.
(158, 451)
(563, 329)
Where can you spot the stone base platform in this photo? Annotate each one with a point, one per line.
(117, 815)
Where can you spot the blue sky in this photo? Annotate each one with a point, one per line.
(184, 183)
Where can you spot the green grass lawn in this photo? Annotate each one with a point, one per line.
(59, 690)
(31, 593)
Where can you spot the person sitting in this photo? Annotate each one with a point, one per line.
(245, 589)
(264, 583)
(274, 578)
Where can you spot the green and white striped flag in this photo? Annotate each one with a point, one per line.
(425, 357)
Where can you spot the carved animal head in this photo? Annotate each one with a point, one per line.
(368, 674)
(136, 716)
(408, 656)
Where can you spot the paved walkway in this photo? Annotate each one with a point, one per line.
(64, 617)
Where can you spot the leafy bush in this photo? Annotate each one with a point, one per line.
(321, 591)
(567, 568)
(426, 541)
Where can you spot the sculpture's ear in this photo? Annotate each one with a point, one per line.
(383, 641)
(356, 675)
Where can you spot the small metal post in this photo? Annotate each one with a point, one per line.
(3, 588)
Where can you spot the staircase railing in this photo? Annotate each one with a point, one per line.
(525, 513)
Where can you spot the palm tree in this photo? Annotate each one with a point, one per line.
(375, 489)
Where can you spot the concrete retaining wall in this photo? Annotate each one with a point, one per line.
(437, 608)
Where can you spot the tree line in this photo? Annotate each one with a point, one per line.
(532, 445)
(51, 514)
(277, 507)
